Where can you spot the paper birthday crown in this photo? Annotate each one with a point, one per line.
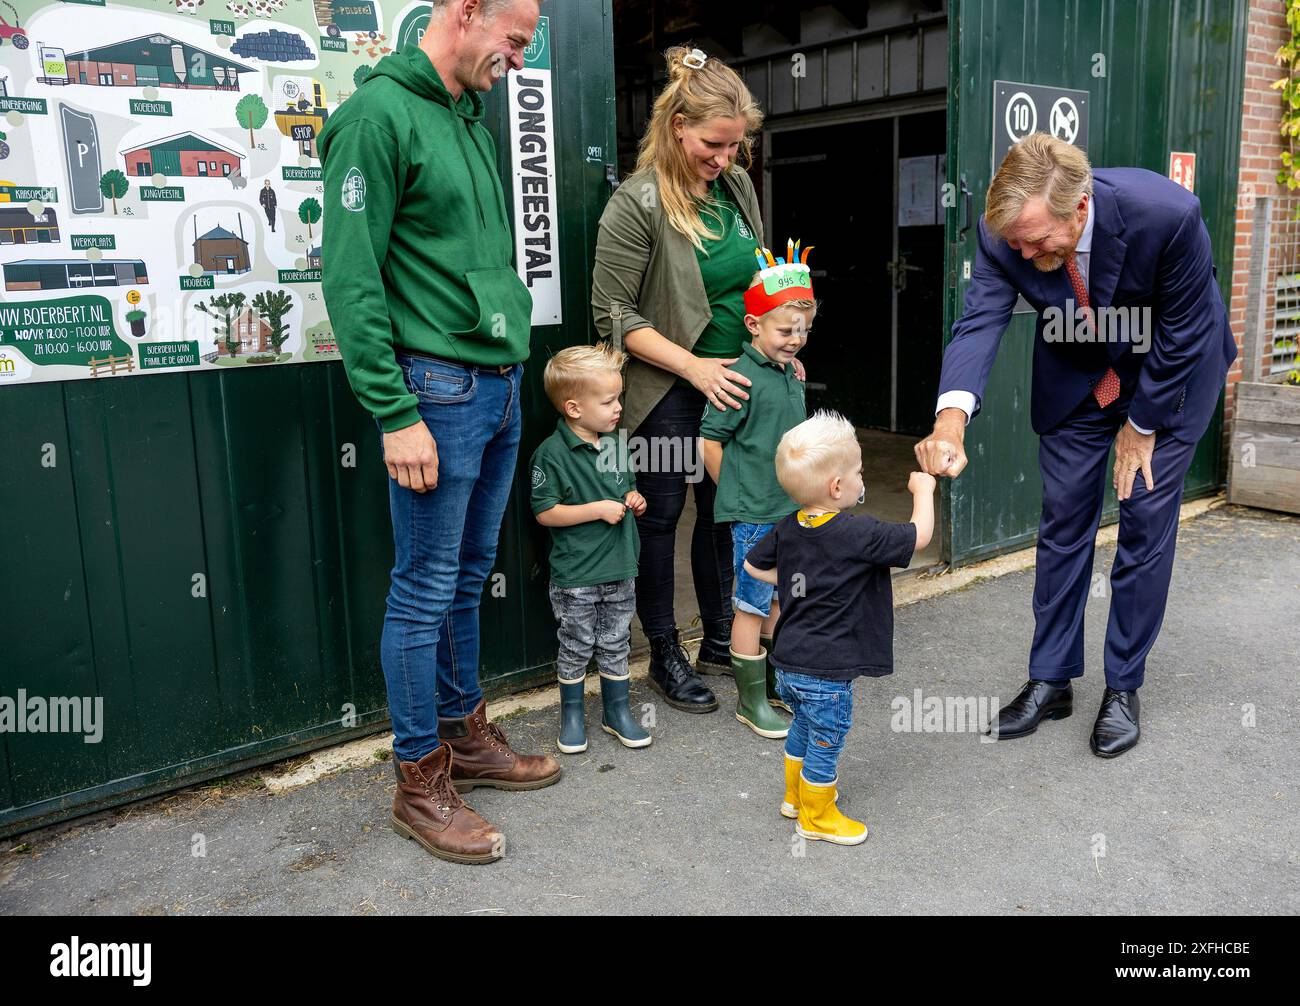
(780, 279)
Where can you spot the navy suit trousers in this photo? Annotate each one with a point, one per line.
(1073, 460)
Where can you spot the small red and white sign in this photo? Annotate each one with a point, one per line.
(1182, 169)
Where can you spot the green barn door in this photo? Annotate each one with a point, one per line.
(194, 549)
(1160, 76)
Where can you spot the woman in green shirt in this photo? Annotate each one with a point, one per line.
(674, 255)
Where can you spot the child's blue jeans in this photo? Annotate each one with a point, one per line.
(823, 714)
(751, 595)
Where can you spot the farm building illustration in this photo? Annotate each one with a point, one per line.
(303, 113)
(273, 46)
(313, 258)
(248, 330)
(19, 226)
(147, 61)
(322, 340)
(221, 252)
(187, 155)
(73, 273)
(252, 333)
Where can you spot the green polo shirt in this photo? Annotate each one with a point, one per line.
(568, 471)
(747, 487)
(726, 266)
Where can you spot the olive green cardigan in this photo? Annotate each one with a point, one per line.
(646, 275)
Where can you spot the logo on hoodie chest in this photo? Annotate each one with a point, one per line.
(354, 190)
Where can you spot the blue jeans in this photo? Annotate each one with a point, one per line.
(753, 596)
(823, 714)
(445, 542)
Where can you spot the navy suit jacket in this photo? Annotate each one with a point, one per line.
(1150, 249)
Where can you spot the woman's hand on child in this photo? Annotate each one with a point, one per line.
(610, 511)
(635, 502)
(716, 382)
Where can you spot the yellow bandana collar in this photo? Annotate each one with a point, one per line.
(814, 519)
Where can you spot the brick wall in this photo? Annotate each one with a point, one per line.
(1261, 148)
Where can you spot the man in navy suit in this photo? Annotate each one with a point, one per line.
(1132, 347)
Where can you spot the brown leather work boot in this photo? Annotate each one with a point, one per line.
(483, 756)
(428, 809)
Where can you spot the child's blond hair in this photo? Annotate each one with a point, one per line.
(813, 453)
(804, 303)
(571, 371)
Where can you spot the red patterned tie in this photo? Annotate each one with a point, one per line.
(1107, 389)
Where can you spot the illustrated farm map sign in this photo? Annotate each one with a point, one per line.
(161, 200)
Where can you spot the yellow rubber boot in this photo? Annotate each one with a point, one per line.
(790, 805)
(820, 819)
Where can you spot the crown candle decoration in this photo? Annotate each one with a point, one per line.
(781, 279)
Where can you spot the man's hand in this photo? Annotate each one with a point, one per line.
(942, 453)
(412, 457)
(635, 502)
(1133, 451)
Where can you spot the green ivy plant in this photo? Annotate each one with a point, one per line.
(1288, 57)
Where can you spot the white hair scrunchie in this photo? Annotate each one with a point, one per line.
(695, 59)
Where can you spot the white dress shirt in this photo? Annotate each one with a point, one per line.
(966, 400)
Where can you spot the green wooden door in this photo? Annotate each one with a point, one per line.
(193, 549)
(1161, 76)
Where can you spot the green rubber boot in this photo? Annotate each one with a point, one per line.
(751, 691)
(573, 721)
(617, 718)
(773, 698)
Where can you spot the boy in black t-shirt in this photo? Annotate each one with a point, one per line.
(832, 573)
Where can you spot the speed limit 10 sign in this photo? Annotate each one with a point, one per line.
(1020, 109)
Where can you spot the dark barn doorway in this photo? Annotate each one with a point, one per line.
(850, 160)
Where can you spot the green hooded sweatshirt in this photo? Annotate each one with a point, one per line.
(417, 246)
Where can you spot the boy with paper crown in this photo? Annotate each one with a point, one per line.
(739, 450)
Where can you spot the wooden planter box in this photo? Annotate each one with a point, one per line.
(1264, 469)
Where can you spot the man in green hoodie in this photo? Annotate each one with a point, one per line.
(433, 324)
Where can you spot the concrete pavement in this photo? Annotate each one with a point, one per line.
(1201, 817)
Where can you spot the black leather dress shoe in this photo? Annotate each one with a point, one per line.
(672, 676)
(1038, 700)
(715, 649)
(1116, 729)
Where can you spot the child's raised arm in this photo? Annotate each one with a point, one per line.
(922, 487)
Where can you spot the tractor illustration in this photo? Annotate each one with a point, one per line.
(338, 16)
(14, 31)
